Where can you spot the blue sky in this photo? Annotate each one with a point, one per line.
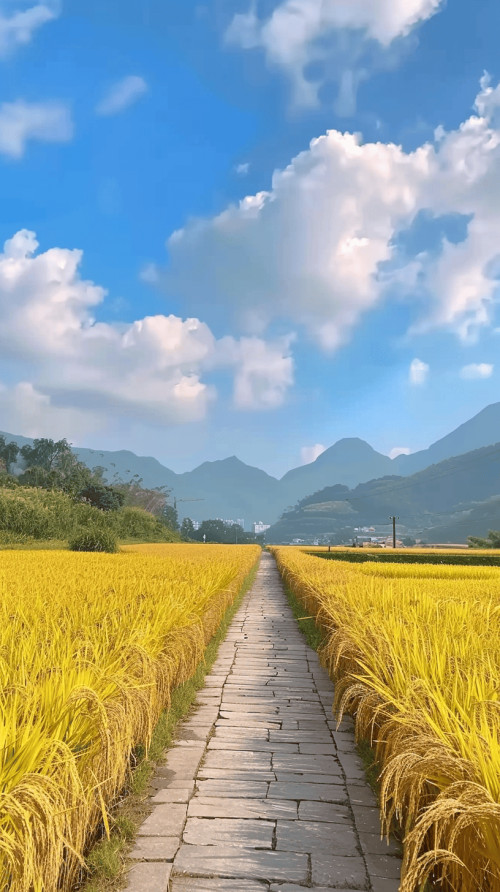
(250, 229)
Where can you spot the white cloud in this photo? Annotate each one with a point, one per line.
(242, 169)
(150, 274)
(419, 372)
(264, 370)
(310, 247)
(22, 122)
(17, 27)
(309, 454)
(24, 410)
(319, 247)
(152, 369)
(399, 450)
(332, 36)
(476, 370)
(122, 95)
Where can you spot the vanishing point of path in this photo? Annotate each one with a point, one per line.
(261, 793)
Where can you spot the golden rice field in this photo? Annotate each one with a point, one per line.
(415, 654)
(91, 647)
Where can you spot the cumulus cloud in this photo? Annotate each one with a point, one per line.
(399, 450)
(18, 26)
(419, 372)
(309, 454)
(264, 370)
(27, 411)
(122, 95)
(310, 247)
(314, 41)
(320, 246)
(476, 371)
(22, 122)
(152, 369)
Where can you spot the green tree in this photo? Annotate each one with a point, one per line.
(53, 465)
(46, 454)
(492, 540)
(8, 454)
(187, 529)
(106, 498)
(170, 517)
(216, 530)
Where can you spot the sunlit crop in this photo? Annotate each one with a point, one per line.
(91, 647)
(415, 653)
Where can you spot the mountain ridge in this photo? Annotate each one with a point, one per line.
(231, 489)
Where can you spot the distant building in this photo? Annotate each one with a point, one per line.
(260, 527)
(230, 522)
(196, 524)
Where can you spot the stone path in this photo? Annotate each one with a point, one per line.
(261, 792)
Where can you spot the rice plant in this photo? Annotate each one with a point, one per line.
(415, 654)
(91, 647)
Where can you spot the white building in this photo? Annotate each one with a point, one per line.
(260, 527)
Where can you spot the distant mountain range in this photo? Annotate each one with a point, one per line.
(446, 502)
(231, 489)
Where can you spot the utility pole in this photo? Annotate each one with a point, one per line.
(394, 518)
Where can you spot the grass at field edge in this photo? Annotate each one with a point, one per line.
(107, 860)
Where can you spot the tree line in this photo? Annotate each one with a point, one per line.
(52, 465)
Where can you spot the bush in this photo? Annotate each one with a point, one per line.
(136, 523)
(94, 540)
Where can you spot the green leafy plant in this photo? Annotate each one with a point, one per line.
(94, 540)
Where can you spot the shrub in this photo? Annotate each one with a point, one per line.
(94, 540)
(136, 523)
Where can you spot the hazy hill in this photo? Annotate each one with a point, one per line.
(232, 489)
(349, 461)
(481, 430)
(433, 499)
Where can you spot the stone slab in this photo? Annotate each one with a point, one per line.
(314, 836)
(234, 789)
(215, 884)
(235, 774)
(291, 777)
(155, 848)
(255, 746)
(149, 877)
(335, 870)
(383, 866)
(233, 862)
(372, 844)
(382, 884)
(169, 794)
(165, 820)
(253, 833)
(269, 809)
(298, 791)
(325, 811)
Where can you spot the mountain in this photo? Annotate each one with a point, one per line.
(125, 465)
(481, 430)
(453, 498)
(232, 489)
(349, 461)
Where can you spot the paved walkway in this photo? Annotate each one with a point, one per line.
(261, 793)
